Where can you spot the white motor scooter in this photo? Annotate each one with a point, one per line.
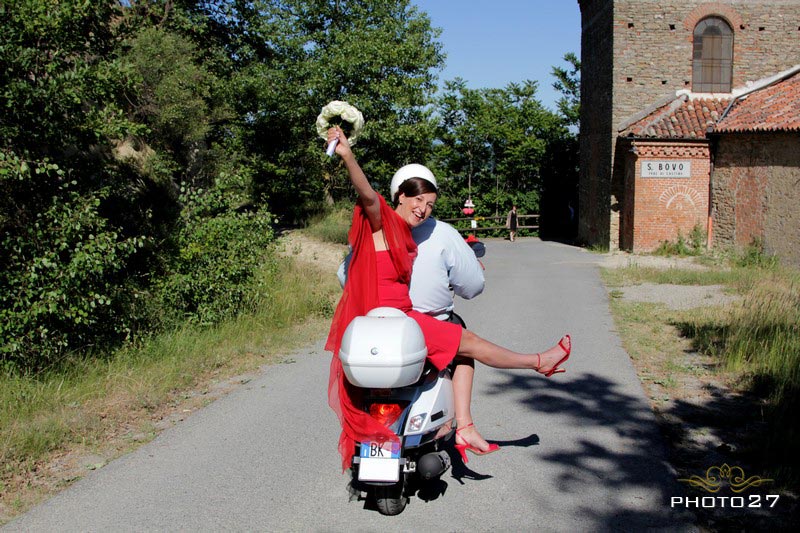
(384, 354)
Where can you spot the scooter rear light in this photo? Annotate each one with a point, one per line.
(386, 413)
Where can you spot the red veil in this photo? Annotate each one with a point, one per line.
(360, 296)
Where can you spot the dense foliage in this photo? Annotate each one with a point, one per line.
(492, 144)
(148, 149)
(500, 147)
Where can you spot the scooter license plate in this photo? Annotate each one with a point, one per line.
(379, 461)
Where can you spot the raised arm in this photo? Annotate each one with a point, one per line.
(367, 195)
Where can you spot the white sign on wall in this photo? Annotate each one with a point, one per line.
(666, 168)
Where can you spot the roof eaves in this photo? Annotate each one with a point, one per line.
(741, 129)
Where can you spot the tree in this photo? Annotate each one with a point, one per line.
(496, 139)
(63, 259)
(568, 83)
(141, 141)
(293, 57)
(58, 87)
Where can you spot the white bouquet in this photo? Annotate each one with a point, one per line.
(346, 113)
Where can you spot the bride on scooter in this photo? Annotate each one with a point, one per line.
(379, 274)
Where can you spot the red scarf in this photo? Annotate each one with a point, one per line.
(359, 297)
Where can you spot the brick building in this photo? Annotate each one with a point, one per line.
(657, 75)
(755, 183)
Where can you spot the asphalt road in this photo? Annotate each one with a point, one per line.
(580, 451)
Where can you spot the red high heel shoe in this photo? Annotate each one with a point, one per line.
(567, 351)
(462, 448)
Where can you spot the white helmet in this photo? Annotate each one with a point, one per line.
(414, 170)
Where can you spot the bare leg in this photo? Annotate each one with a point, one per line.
(496, 356)
(462, 390)
(474, 347)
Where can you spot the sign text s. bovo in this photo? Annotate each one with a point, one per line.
(666, 168)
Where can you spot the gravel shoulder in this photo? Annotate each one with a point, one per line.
(299, 246)
(673, 296)
(679, 296)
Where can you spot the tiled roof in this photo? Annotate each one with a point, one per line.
(685, 117)
(770, 104)
(773, 108)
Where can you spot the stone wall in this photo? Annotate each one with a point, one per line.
(635, 52)
(755, 191)
(653, 45)
(628, 198)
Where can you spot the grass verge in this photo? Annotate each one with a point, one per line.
(724, 381)
(56, 426)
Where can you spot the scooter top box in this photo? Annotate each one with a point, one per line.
(383, 350)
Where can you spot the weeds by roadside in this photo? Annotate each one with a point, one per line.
(692, 246)
(759, 343)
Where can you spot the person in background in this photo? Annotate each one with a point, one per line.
(511, 223)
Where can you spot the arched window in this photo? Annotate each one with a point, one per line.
(712, 64)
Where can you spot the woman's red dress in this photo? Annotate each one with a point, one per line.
(376, 280)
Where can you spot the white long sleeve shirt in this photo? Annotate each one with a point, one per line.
(445, 264)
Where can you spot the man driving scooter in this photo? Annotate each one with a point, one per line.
(445, 264)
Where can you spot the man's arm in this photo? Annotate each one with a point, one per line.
(464, 270)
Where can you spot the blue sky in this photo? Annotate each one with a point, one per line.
(491, 43)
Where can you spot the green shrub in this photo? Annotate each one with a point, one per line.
(754, 256)
(695, 245)
(218, 250)
(62, 283)
(69, 282)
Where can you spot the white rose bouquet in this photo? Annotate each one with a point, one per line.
(337, 113)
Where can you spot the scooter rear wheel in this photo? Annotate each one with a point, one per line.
(391, 499)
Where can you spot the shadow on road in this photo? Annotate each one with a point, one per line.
(532, 440)
(630, 472)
